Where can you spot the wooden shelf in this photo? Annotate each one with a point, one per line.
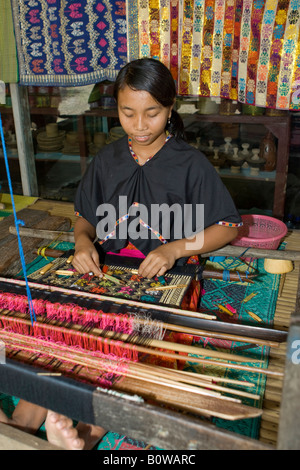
(280, 126)
(238, 118)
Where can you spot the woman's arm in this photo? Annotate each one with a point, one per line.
(163, 258)
(86, 258)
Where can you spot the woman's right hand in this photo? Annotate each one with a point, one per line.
(86, 259)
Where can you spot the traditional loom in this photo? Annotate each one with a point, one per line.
(143, 399)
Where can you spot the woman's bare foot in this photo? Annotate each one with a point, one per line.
(61, 432)
(91, 434)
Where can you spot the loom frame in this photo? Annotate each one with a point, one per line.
(167, 429)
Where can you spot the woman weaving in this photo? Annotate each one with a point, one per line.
(152, 166)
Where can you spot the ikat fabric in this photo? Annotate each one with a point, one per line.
(244, 50)
(67, 42)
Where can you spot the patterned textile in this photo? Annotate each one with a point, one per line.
(245, 50)
(261, 297)
(261, 302)
(63, 43)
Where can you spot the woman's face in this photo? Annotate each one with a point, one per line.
(143, 119)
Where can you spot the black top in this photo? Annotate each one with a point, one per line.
(170, 191)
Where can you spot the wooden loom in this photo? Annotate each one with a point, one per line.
(199, 395)
(162, 419)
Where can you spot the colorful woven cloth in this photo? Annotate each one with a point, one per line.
(63, 43)
(245, 50)
(261, 300)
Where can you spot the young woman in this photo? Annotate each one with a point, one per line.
(150, 170)
(149, 190)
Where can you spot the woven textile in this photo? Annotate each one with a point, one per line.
(63, 43)
(262, 302)
(245, 50)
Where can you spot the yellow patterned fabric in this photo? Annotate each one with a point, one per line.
(246, 50)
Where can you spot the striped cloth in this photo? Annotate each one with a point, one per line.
(245, 50)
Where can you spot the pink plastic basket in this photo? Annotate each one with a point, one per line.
(260, 231)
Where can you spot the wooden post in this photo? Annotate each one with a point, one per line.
(22, 121)
(289, 429)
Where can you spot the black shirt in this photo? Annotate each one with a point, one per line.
(174, 195)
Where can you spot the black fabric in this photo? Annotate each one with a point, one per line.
(178, 174)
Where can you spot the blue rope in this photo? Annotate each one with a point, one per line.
(226, 272)
(17, 223)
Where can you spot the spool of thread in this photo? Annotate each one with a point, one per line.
(278, 266)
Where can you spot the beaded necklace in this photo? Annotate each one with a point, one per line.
(134, 154)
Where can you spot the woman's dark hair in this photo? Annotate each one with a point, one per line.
(153, 76)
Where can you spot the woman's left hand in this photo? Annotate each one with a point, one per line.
(158, 261)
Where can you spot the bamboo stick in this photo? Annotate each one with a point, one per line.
(197, 381)
(196, 360)
(200, 402)
(102, 334)
(149, 373)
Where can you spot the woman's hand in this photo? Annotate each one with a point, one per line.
(158, 261)
(86, 258)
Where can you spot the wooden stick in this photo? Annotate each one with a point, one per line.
(281, 284)
(127, 339)
(192, 380)
(52, 253)
(152, 373)
(195, 360)
(118, 300)
(237, 251)
(137, 320)
(47, 234)
(228, 250)
(65, 272)
(178, 286)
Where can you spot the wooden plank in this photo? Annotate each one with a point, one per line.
(22, 122)
(10, 262)
(12, 438)
(31, 218)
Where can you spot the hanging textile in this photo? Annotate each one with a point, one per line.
(245, 50)
(8, 52)
(65, 43)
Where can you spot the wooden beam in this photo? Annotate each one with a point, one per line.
(12, 438)
(289, 430)
(22, 121)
